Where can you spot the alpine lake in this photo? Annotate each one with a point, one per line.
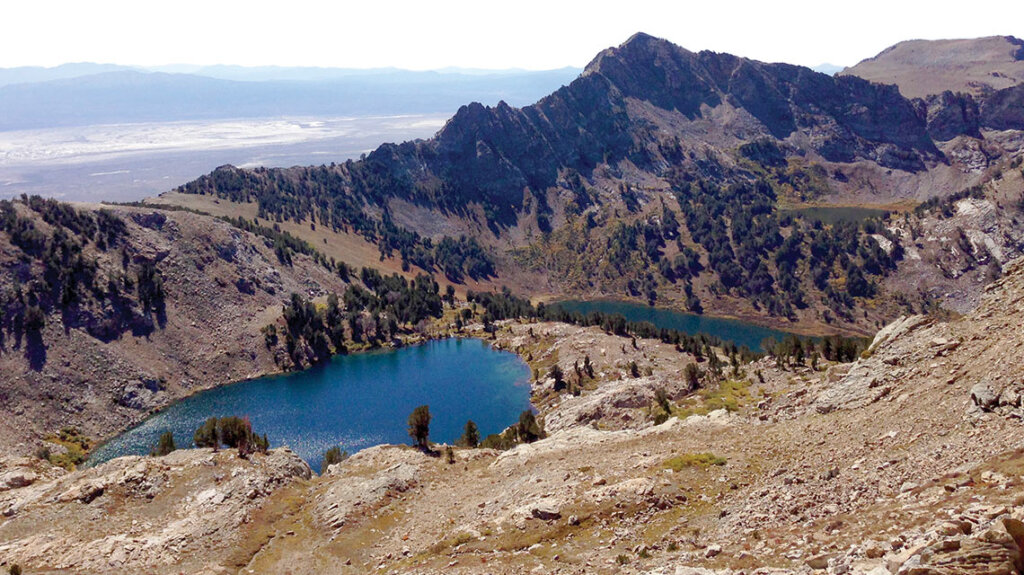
(364, 399)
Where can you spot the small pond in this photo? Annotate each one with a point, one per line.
(831, 215)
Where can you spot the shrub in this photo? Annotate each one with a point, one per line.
(164, 446)
(332, 456)
(76, 444)
(234, 430)
(502, 441)
(692, 374)
(230, 431)
(702, 460)
(556, 373)
(206, 435)
(529, 429)
(661, 397)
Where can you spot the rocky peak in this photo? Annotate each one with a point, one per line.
(784, 98)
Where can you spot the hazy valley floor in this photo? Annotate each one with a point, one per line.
(130, 162)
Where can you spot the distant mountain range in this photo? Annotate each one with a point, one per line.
(85, 93)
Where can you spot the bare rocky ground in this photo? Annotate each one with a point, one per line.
(908, 461)
(952, 258)
(222, 284)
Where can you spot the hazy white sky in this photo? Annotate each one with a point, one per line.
(425, 34)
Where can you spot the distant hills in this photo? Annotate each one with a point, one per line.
(85, 94)
(925, 67)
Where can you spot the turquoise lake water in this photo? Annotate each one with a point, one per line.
(739, 332)
(355, 401)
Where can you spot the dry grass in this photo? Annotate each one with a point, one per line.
(700, 460)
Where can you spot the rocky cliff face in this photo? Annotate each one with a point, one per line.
(844, 117)
(493, 153)
(622, 108)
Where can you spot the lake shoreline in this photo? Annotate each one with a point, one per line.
(440, 331)
(779, 324)
(338, 398)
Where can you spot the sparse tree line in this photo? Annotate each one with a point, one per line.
(372, 314)
(56, 273)
(527, 430)
(727, 229)
(230, 432)
(324, 196)
(797, 351)
(739, 228)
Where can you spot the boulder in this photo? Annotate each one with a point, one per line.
(820, 561)
(984, 396)
(994, 551)
(545, 512)
(84, 491)
(17, 478)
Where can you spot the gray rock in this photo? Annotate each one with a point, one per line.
(17, 478)
(820, 561)
(141, 394)
(984, 396)
(545, 512)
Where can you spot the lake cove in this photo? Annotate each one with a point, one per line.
(355, 401)
(739, 332)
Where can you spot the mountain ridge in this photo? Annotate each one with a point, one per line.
(602, 165)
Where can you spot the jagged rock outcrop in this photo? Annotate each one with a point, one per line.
(355, 491)
(613, 112)
(951, 115)
(1004, 110)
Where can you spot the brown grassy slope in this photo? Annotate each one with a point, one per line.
(354, 249)
(923, 67)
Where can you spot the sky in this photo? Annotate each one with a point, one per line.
(422, 34)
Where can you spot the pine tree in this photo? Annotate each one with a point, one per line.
(164, 446)
(419, 426)
(471, 435)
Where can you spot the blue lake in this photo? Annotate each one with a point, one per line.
(739, 332)
(355, 401)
